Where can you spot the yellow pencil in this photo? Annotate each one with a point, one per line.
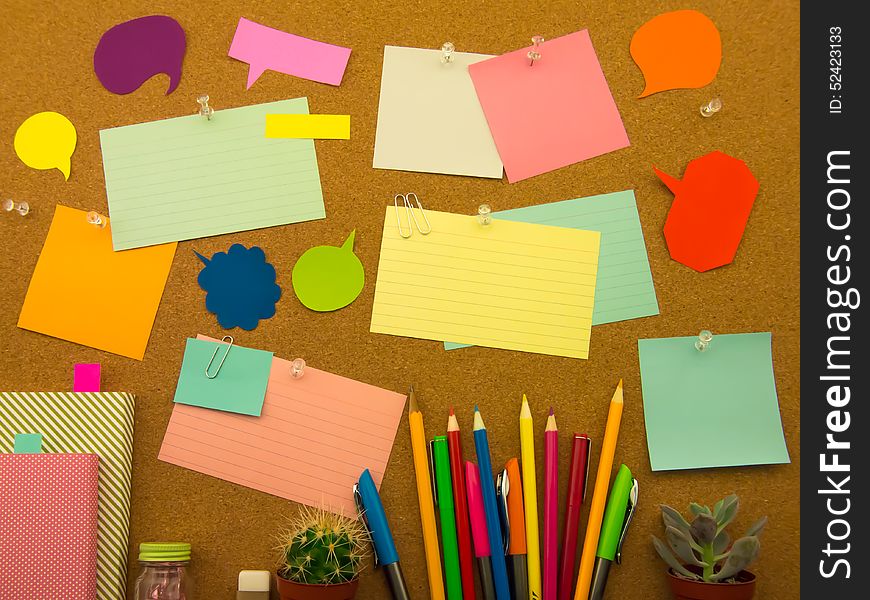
(599, 495)
(530, 498)
(424, 495)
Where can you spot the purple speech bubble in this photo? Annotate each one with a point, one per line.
(131, 53)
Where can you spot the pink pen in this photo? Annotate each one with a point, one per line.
(478, 530)
(551, 508)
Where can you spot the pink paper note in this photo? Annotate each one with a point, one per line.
(555, 113)
(48, 526)
(267, 48)
(314, 437)
(86, 377)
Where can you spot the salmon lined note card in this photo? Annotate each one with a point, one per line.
(315, 435)
(48, 526)
(566, 108)
(192, 177)
(83, 292)
(510, 285)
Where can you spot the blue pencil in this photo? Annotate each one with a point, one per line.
(490, 507)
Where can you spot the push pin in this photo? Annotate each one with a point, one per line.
(484, 214)
(96, 219)
(204, 109)
(447, 49)
(704, 339)
(22, 208)
(535, 53)
(297, 368)
(711, 108)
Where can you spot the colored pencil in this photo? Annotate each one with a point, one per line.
(477, 517)
(551, 508)
(460, 501)
(493, 527)
(576, 490)
(530, 498)
(424, 496)
(599, 495)
(444, 495)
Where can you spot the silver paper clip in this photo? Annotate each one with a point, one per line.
(225, 339)
(409, 214)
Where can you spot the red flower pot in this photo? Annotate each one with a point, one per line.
(290, 590)
(686, 589)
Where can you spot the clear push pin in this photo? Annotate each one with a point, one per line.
(204, 109)
(297, 368)
(96, 219)
(711, 108)
(447, 50)
(704, 339)
(484, 214)
(22, 208)
(535, 53)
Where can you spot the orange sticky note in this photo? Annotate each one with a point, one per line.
(84, 292)
(679, 49)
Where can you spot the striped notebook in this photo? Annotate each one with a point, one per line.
(94, 423)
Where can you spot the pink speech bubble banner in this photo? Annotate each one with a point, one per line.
(267, 48)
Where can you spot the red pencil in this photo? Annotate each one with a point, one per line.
(460, 499)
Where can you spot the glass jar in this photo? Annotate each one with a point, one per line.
(164, 573)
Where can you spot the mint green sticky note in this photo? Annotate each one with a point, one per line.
(716, 408)
(624, 286)
(28, 443)
(191, 177)
(240, 383)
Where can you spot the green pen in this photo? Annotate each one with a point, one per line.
(444, 501)
(617, 516)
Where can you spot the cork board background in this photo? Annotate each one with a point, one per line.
(46, 65)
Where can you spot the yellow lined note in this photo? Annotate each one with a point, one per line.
(511, 285)
(315, 127)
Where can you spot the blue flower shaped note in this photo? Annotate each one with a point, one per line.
(240, 286)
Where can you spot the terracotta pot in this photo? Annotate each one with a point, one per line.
(686, 589)
(290, 590)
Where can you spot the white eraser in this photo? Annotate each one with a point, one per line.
(254, 581)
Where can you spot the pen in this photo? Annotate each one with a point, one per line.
(617, 517)
(371, 510)
(551, 507)
(517, 540)
(602, 480)
(530, 499)
(460, 502)
(425, 498)
(444, 498)
(577, 477)
(477, 518)
(490, 507)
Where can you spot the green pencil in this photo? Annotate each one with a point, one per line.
(444, 499)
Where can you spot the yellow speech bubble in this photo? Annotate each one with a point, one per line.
(46, 140)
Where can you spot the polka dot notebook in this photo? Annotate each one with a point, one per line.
(48, 526)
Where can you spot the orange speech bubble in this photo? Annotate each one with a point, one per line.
(679, 49)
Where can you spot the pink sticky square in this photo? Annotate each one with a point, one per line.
(86, 377)
(556, 113)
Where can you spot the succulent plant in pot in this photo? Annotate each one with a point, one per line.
(321, 556)
(704, 562)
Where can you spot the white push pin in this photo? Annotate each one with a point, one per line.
(704, 339)
(711, 108)
(96, 219)
(447, 50)
(535, 53)
(297, 368)
(22, 208)
(484, 214)
(204, 109)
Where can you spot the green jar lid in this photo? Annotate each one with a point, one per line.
(164, 551)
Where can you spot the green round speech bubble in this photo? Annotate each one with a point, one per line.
(327, 278)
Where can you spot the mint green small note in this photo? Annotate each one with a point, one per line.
(240, 383)
(28, 443)
(716, 408)
(624, 287)
(191, 177)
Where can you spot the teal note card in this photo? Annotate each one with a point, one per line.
(716, 408)
(240, 383)
(28, 443)
(191, 177)
(624, 287)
